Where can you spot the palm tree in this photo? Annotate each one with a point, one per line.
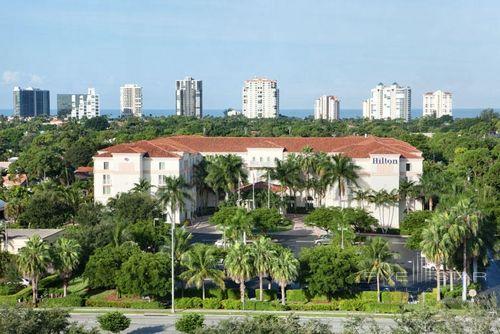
(67, 257)
(323, 175)
(143, 186)
(307, 161)
(199, 181)
(362, 196)
(240, 266)
(376, 263)
(182, 243)
(434, 244)
(379, 199)
(284, 269)
(225, 172)
(33, 261)
(173, 197)
(465, 227)
(215, 176)
(406, 191)
(239, 227)
(263, 254)
(345, 171)
(201, 264)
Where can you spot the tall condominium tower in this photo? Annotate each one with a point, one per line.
(189, 97)
(327, 107)
(31, 102)
(85, 105)
(64, 105)
(388, 102)
(131, 100)
(260, 98)
(437, 104)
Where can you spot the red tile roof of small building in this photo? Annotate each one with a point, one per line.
(352, 146)
(84, 169)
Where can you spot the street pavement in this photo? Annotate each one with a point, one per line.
(162, 323)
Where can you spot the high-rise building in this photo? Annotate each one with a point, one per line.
(260, 98)
(388, 102)
(31, 102)
(85, 105)
(327, 107)
(131, 100)
(189, 97)
(437, 104)
(64, 105)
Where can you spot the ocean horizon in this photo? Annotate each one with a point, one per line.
(299, 113)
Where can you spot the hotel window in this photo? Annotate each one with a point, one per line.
(161, 180)
(408, 167)
(106, 184)
(161, 166)
(105, 165)
(106, 179)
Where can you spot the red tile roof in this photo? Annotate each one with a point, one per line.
(84, 169)
(352, 146)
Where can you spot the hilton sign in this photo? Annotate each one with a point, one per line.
(385, 161)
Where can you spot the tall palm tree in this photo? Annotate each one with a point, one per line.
(464, 228)
(199, 181)
(263, 253)
(323, 175)
(33, 261)
(406, 191)
(182, 239)
(239, 227)
(240, 266)
(225, 172)
(379, 199)
(362, 197)
(215, 176)
(173, 196)
(434, 244)
(201, 265)
(284, 269)
(377, 263)
(143, 186)
(307, 161)
(345, 171)
(67, 258)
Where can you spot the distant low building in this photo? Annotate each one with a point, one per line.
(84, 172)
(17, 238)
(232, 112)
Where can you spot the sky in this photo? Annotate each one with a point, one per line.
(311, 47)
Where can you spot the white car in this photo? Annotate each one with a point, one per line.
(323, 240)
(221, 243)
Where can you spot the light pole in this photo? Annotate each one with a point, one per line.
(412, 271)
(253, 189)
(268, 190)
(342, 229)
(172, 258)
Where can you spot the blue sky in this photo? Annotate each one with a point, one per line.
(311, 48)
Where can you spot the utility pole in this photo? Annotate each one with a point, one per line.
(253, 189)
(342, 229)
(268, 190)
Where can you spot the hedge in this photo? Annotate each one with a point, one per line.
(189, 302)
(297, 295)
(381, 307)
(9, 289)
(217, 293)
(351, 304)
(212, 303)
(139, 304)
(8, 300)
(319, 299)
(264, 306)
(395, 297)
(370, 296)
(235, 293)
(69, 301)
(231, 304)
(267, 295)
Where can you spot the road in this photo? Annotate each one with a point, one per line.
(161, 323)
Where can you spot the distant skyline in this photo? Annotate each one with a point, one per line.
(311, 48)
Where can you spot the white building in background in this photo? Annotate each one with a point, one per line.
(85, 105)
(189, 97)
(327, 107)
(260, 98)
(383, 162)
(131, 100)
(388, 102)
(437, 104)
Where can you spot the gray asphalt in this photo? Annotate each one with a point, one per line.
(152, 324)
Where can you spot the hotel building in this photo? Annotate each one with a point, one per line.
(85, 105)
(31, 102)
(189, 97)
(260, 98)
(388, 102)
(437, 104)
(131, 100)
(327, 107)
(383, 163)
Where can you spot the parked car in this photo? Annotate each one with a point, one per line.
(221, 243)
(323, 240)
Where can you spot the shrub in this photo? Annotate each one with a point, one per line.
(319, 299)
(189, 293)
(369, 296)
(235, 293)
(267, 295)
(189, 322)
(376, 307)
(114, 322)
(394, 297)
(189, 302)
(217, 293)
(8, 300)
(320, 307)
(351, 305)
(296, 296)
(428, 298)
(212, 303)
(454, 303)
(69, 301)
(9, 289)
(296, 306)
(231, 304)
(101, 300)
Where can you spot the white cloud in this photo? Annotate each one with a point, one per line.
(10, 77)
(18, 78)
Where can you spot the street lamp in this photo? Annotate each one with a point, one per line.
(342, 229)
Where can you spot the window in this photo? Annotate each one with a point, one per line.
(106, 179)
(105, 165)
(161, 165)
(408, 167)
(161, 180)
(106, 190)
